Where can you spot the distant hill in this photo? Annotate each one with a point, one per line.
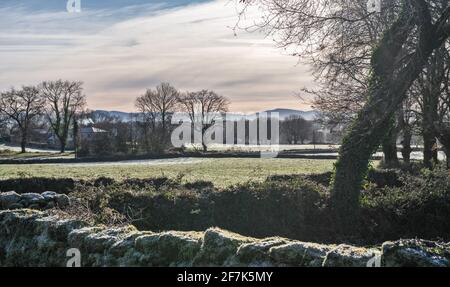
(124, 116)
(284, 113)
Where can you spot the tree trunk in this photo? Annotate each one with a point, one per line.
(386, 94)
(405, 128)
(147, 145)
(390, 148)
(63, 142)
(429, 144)
(204, 146)
(443, 133)
(406, 143)
(430, 107)
(447, 156)
(75, 137)
(351, 167)
(445, 141)
(23, 142)
(431, 92)
(430, 114)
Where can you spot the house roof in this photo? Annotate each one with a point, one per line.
(92, 130)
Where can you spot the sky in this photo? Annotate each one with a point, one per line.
(119, 48)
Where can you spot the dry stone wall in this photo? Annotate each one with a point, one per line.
(33, 238)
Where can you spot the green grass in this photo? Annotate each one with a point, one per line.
(10, 154)
(222, 172)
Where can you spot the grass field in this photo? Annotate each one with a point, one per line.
(222, 172)
(13, 154)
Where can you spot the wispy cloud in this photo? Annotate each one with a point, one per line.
(120, 52)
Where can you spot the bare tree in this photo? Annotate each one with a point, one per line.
(203, 108)
(146, 120)
(157, 106)
(345, 34)
(296, 129)
(22, 107)
(64, 99)
(417, 29)
(428, 92)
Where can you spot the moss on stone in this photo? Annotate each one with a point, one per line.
(300, 254)
(31, 238)
(220, 246)
(257, 253)
(349, 256)
(416, 253)
(168, 248)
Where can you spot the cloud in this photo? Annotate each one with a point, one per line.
(118, 54)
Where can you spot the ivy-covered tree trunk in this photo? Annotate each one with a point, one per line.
(357, 148)
(388, 90)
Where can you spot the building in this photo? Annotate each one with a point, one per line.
(90, 133)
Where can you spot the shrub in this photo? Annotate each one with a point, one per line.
(384, 177)
(37, 185)
(419, 207)
(321, 178)
(271, 208)
(157, 183)
(199, 185)
(104, 181)
(395, 204)
(291, 209)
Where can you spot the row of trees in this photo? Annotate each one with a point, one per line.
(296, 130)
(144, 132)
(158, 105)
(55, 102)
(202, 109)
(59, 106)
